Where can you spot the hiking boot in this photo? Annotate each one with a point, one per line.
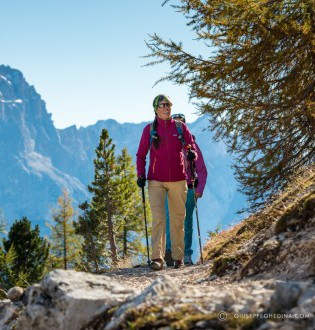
(188, 261)
(178, 264)
(156, 264)
(168, 258)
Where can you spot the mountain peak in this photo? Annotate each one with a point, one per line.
(14, 86)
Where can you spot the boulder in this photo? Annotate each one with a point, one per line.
(70, 300)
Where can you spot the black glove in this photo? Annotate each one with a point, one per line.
(141, 182)
(191, 155)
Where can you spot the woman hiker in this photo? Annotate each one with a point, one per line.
(200, 182)
(166, 175)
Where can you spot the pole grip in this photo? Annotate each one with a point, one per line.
(143, 196)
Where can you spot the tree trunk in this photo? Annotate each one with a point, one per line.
(64, 245)
(112, 242)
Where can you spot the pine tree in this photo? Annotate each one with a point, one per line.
(256, 80)
(131, 228)
(97, 225)
(105, 192)
(94, 254)
(31, 250)
(65, 245)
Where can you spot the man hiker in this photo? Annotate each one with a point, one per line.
(200, 182)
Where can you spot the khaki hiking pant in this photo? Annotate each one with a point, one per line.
(176, 193)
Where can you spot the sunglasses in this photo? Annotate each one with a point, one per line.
(165, 105)
(178, 115)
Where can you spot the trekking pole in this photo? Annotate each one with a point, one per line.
(195, 199)
(145, 222)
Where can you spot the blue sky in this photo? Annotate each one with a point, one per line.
(84, 57)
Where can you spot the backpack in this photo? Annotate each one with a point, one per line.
(179, 127)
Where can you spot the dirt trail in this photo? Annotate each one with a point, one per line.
(140, 278)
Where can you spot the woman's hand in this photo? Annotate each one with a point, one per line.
(141, 181)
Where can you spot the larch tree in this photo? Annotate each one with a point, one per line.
(65, 244)
(256, 79)
(2, 223)
(8, 277)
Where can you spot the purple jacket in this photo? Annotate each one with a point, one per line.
(167, 163)
(201, 171)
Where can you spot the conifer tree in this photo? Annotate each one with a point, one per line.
(31, 250)
(98, 222)
(105, 191)
(93, 255)
(65, 245)
(256, 79)
(131, 229)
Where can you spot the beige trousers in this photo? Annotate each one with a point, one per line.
(177, 192)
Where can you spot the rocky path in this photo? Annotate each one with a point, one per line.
(138, 298)
(221, 303)
(140, 278)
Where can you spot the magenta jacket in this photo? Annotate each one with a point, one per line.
(167, 163)
(201, 171)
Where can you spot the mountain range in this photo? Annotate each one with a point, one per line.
(38, 160)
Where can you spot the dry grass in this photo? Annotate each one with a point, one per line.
(223, 246)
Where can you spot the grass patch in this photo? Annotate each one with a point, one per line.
(144, 318)
(222, 264)
(308, 208)
(186, 317)
(297, 215)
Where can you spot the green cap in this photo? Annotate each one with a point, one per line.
(159, 99)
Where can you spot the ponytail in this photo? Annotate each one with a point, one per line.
(156, 138)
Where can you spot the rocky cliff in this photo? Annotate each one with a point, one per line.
(34, 162)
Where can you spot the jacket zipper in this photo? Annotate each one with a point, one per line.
(153, 169)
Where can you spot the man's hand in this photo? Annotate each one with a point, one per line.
(191, 155)
(198, 195)
(141, 182)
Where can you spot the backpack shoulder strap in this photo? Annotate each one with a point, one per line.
(179, 127)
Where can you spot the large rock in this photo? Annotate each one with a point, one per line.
(70, 300)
